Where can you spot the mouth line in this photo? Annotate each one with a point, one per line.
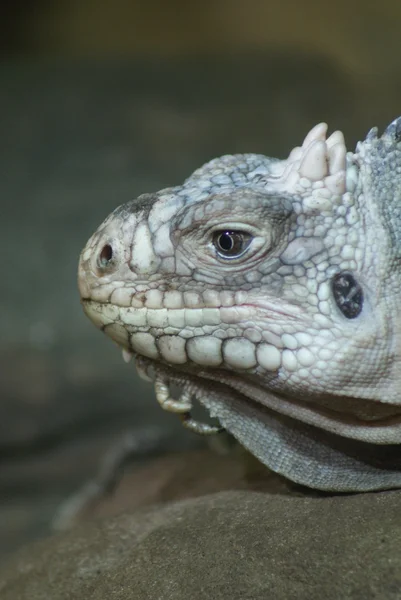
(265, 308)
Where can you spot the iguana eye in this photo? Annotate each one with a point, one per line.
(231, 244)
(348, 295)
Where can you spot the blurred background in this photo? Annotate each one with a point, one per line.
(99, 102)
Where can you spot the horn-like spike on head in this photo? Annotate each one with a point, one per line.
(314, 163)
(337, 137)
(295, 154)
(317, 133)
(337, 154)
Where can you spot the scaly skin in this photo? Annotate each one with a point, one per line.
(270, 290)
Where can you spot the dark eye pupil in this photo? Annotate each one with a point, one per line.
(226, 241)
(348, 295)
(231, 244)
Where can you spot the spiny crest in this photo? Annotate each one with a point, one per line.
(391, 137)
(392, 132)
(382, 154)
(379, 162)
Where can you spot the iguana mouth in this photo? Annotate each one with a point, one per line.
(231, 335)
(239, 302)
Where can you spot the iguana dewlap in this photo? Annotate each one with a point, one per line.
(270, 290)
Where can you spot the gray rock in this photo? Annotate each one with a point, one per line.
(232, 545)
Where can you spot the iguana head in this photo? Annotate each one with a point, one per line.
(269, 289)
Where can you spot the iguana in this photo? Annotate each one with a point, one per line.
(269, 290)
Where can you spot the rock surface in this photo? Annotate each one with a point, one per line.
(231, 545)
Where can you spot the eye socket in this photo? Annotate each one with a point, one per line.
(231, 244)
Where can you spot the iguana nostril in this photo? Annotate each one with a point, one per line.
(105, 257)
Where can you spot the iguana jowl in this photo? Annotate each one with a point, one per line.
(270, 291)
